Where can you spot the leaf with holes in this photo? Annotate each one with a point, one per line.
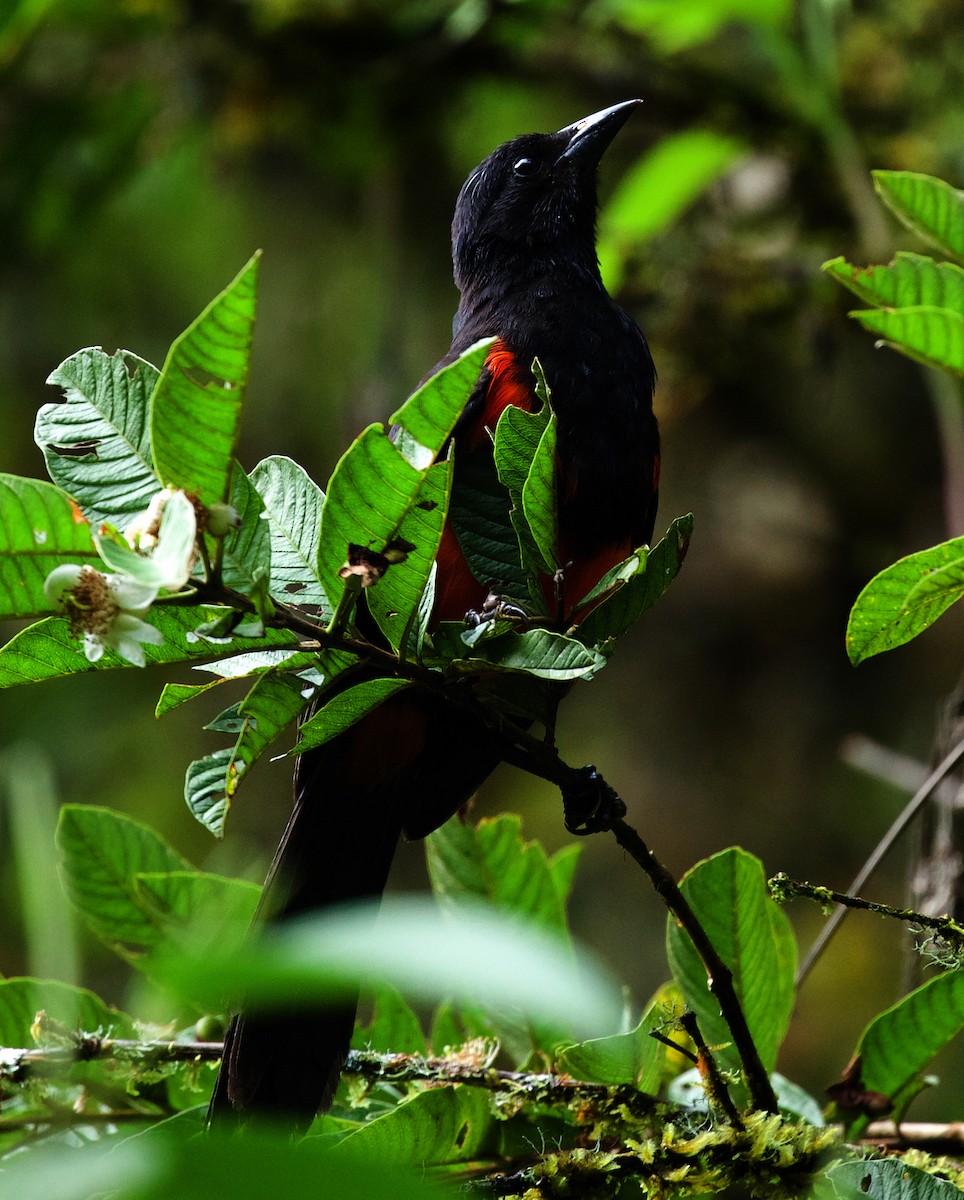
(196, 407)
(40, 528)
(95, 441)
(438, 1126)
(909, 280)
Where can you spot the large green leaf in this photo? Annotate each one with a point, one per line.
(887, 1179)
(72, 1007)
(103, 851)
(752, 936)
(196, 407)
(270, 706)
(901, 1041)
(933, 336)
(910, 280)
(622, 1058)
(394, 1027)
(525, 459)
(371, 492)
(292, 501)
(394, 603)
(478, 956)
(171, 1161)
(95, 442)
(40, 528)
(442, 1125)
(428, 416)
(905, 598)
(929, 206)
(47, 650)
(491, 861)
(345, 709)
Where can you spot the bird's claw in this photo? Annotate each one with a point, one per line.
(589, 804)
(495, 608)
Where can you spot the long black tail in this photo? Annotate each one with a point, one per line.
(408, 765)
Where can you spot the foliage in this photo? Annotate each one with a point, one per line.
(919, 312)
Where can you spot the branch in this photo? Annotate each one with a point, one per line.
(910, 811)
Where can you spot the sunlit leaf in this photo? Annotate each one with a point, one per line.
(904, 599)
(909, 281)
(429, 415)
(95, 442)
(369, 495)
(394, 602)
(929, 206)
(39, 529)
(196, 407)
(933, 336)
(673, 26)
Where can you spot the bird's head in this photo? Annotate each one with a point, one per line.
(535, 195)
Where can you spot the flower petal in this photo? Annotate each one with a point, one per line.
(60, 581)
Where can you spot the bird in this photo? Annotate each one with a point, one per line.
(526, 267)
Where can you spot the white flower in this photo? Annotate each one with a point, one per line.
(107, 610)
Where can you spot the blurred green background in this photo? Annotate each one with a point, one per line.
(147, 147)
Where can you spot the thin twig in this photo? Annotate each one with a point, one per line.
(716, 1090)
(910, 811)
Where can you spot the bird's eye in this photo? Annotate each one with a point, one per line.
(526, 166)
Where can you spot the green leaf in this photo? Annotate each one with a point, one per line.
(933, 336)
(904, 599)
(369, 495)
(491, 861)
(292, 501)
(429, 415)
(441, 1125)
(95, 442)
(211, 782)
(170, 1160)
(394, 603)
(48, 650)
(930, 207)
(538, 652)
(632, 1058)
(658, 188)
(909, 281)
(751, 934)
(40, 528)
(393, 1029)
(196, 407)
(75, 1008)
(525, 454)
(247, 549)
(901, 1041)
(888, 1179)
(420, 951)
(198, 909)
(635, 589)
(345, 709)
(673, 26)
(103, 851)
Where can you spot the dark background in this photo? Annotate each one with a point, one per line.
(146, 149)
